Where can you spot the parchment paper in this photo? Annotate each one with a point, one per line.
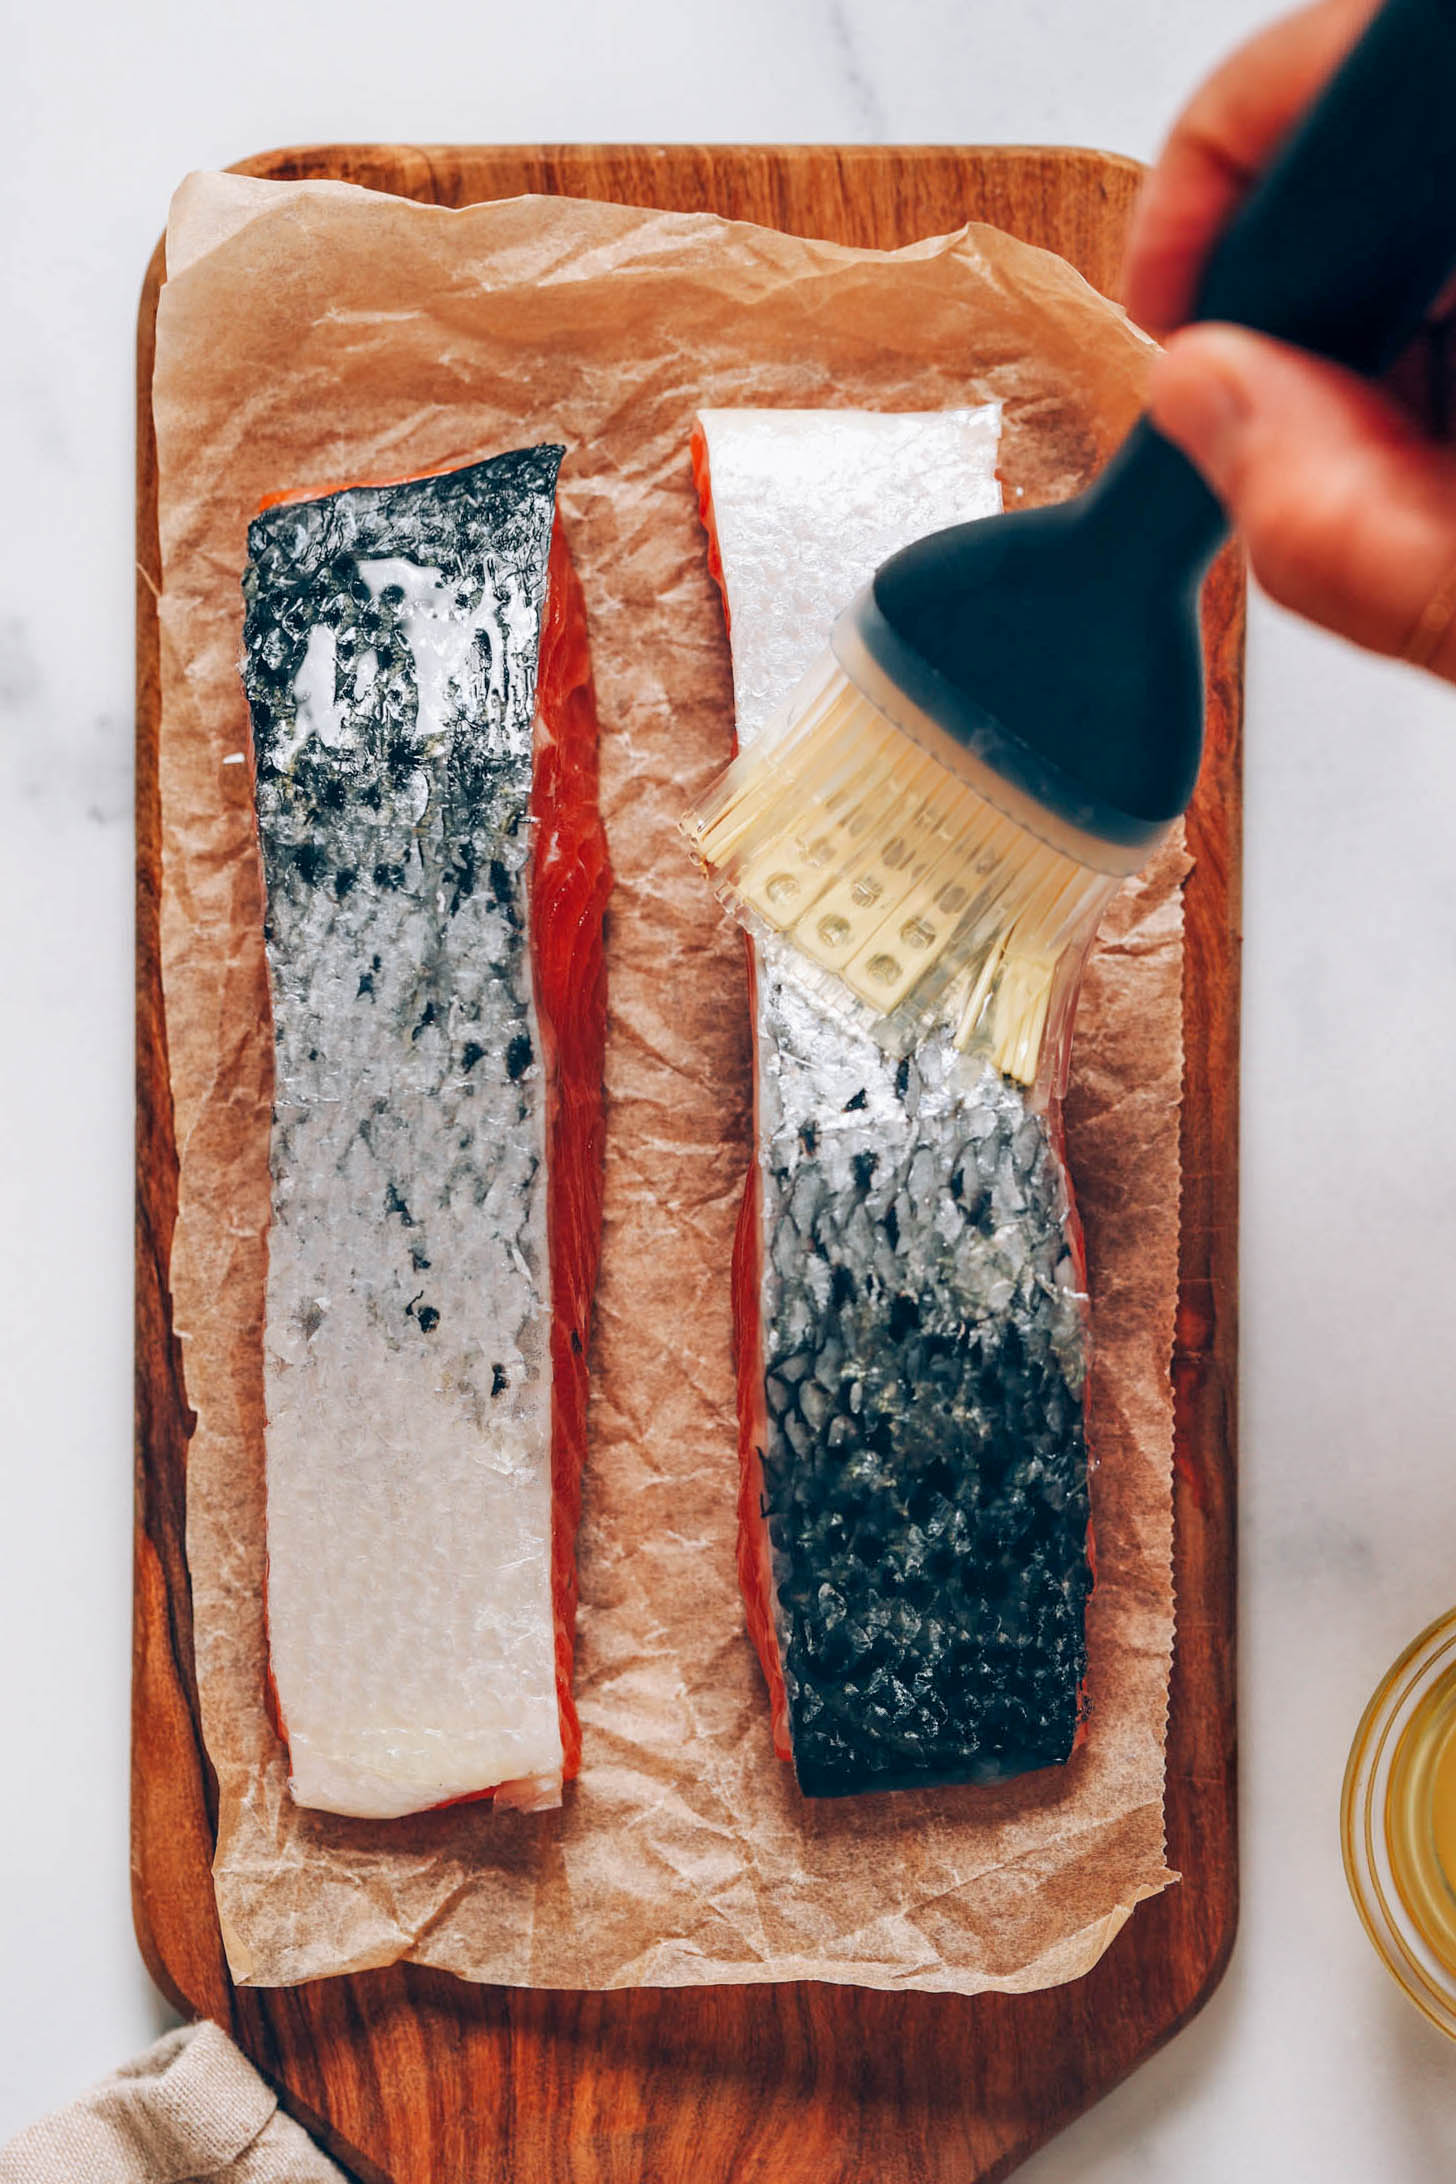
(314, 334)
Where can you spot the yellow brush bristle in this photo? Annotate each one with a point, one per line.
(909, 892)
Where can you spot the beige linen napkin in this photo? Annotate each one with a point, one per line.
(189, 2109)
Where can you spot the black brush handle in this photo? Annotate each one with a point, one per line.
(1345, 241)
(1341, 247)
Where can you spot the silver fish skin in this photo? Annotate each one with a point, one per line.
(391, 647)
(919, 1442)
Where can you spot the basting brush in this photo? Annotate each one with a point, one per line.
(1009, 717)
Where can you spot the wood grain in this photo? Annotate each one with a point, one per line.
(412, 2076)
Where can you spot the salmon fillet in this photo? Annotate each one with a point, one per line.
(914, 1526)
(424, 755)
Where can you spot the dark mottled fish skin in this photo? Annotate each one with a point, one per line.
(391, 645)
(916, 1451)
(924, 1348)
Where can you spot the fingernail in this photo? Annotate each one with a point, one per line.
(1203, 408)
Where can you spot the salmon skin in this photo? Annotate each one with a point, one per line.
(911, 1330)
(424, 758)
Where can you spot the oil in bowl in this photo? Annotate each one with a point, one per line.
(1399, 1821)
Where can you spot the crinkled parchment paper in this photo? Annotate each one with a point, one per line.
(317, 334)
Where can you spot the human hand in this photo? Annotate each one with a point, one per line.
(1347, 506)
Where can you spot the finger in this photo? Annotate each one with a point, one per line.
(1349, 515)
(1223, 139)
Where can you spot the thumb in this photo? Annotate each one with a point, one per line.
(1349, 515)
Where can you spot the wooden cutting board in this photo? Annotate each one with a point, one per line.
(411, 2075)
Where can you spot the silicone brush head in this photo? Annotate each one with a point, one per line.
(1009, 718)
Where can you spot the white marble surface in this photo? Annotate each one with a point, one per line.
(1307, 2064)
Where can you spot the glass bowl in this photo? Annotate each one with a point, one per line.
(1398, 1817)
